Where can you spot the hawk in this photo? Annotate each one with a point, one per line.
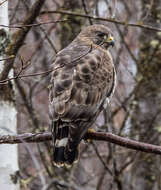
(82, 82)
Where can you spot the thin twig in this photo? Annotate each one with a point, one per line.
(100, 158)
(49, 40)
(32, 25)
(3, 2)
(113, 20)
(28, 75)
(86, 12)
(46, 72)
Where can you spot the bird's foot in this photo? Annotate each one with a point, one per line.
(89, 131)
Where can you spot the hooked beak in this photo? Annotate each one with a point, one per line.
(110, 41)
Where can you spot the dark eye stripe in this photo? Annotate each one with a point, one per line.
(100, 34)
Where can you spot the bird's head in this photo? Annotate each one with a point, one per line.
(98, 34)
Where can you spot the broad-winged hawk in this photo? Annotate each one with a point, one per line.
(83, 80)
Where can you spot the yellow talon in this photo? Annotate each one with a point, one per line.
(89, 131)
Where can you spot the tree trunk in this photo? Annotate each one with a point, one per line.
(8, 120)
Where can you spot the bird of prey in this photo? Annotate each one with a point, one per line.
(82, 82)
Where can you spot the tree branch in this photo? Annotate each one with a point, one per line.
(113, 20)
(23, 26)
(3, 2)
(108, 137)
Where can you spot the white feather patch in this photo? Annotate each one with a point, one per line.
(106, 102)
(75, 72)
(62, 142)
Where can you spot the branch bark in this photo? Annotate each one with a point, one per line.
(113, 20)
(99, 136)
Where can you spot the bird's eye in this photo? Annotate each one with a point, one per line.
(102, 35)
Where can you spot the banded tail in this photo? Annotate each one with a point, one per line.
(65, 150)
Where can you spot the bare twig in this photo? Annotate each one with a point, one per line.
(23, 67)
(113, 20)
(100, 180)
(108, 137)
(28, 75)
(48, 39)
(74, 61)
(126, 45)
(86, 11)
(100, 158)
(3, 2)
(149, 10)
(22, 26)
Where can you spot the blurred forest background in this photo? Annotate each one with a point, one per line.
(135, 109)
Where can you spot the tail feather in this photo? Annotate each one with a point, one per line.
(71, 155)
(58, 156)
(63, 154)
